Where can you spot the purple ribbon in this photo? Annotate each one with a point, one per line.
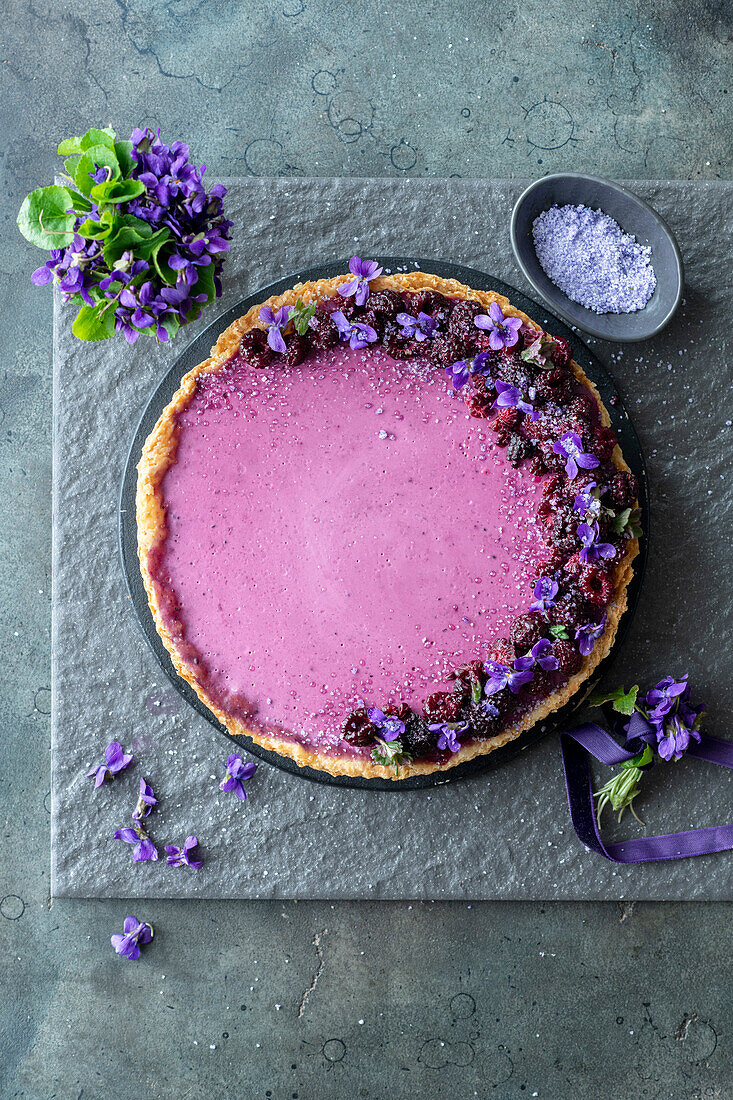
(575, 746)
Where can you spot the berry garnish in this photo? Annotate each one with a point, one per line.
(623, 489)
(445, 350)
(442, 707)
(479, 405)
(323, 331)
(357, 730)
(571, 610)
(461, 324)
(602, 441)
(567, 656)
(254, 349)
(561, 352)
(502, 651)
(386, 303)
(596, 586)
(518, 449)
(295, 350)
(527, 630)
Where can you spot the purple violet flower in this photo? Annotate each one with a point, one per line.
(356, 332)
(135, 933)
(592, 549)
(509, 397)
(419, 328)
(545, 590)
(459, 373)
(276, 322)
(180, 857)
(236, 775)
(587, 504)
(673, 738)
(363, 271)
(540, 654)
(663, 697)
(116, 761)
(390, 727)
(144, 848)
(448, 733)
(570, 447)
(503, 331)
(673, 718)
(145, 802)
(587, 635)
(501, 676)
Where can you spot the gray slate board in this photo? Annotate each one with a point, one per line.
(505, 835)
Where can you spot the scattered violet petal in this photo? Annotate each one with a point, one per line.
(181, 857)
(145, 802)
(587, 635)
(135, 933)
(237, 773)
(144, 849)
(116, 760)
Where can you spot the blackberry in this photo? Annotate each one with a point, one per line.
(417, 739)
(551, 562)
(323, 332)
(481, 723)
(329, 305)
(254, 349)
(296, 350)
(526, 630)
(623, 489)
(571, 610)
(596, 586)
(461, 325)
(445, 350)
(551, 485)
(540, 683)
(537, 466)
(602, 440)
(579, 409)
(398, 345)
(518, 449)
(376, 320)
(565, 528)
(386, 303)
(569, 659)
(516, 372)
(442, 707)
(357, 730)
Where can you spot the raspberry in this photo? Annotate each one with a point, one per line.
(573, 565)
(466, 678)
(551, 485)
(565, 528)
(461, 325)
(568, 658)
(330, 305)
(562, 353)
(623, 489)
(357, 729)
(596, 586)
(417, 739)
(579, 409)
(527, 630)
(571, 610)
(376, 320)
(441, 707)
(480, 342)
(505, 420)
(550, 563)
(502, 651)
(254, 349)
(479, 405)
(519, 448)
(323, 332)
(296, 350)
(602, 441)
(386, 303)
(445, 350)
(536, 466)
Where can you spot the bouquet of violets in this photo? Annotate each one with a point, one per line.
(660, 726)
(136, 240)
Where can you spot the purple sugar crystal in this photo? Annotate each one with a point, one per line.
(590, 258)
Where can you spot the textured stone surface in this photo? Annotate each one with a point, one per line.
(503, 835)
(572, 1001)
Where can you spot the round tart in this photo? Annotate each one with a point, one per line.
(386, 527)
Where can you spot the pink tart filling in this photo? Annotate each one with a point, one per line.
(339, 533)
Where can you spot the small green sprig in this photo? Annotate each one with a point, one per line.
(628, 522)
(390, 754)
(621, 791)
(302, 316)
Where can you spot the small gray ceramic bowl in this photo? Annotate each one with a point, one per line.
(635, 217)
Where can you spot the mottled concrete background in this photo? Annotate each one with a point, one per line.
(302, 1000)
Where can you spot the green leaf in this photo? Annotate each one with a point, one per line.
(94, 322)
(205, 283)
(94, 231)
(129, 239)
(476, 692)
(559, 631)
(69, 146)
(93, 138)
(99, 156)
(641, 759)
(46, 218)
(171, 326)
(622, 702)
(145, 229)
(628, 522)
(302, 315)
(390, 754)
(115, 191)
(123, 151)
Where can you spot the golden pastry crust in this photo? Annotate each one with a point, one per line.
(159, 454)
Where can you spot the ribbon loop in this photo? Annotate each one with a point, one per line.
(590, 738)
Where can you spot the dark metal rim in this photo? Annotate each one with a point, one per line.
(198, 350)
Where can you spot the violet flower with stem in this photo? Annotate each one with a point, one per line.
(586, 636)
(592, 549)
(276, 322)
(570, 447)
(448, 734)
(418, 328)
(540, 654)
(503, 331)
(116, 760)
(545, 590)
(145, 802)
(237, 774)
(501, 676)
(673, 718)
(363, 272)
(181, 857)
(588, 503)
(509, 397)
(389, 726)
(144, 848)
(356, 332)
(135, 933)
